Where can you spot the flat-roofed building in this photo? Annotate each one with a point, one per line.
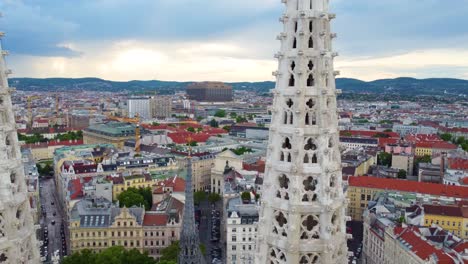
(115, 133)
(210, 92)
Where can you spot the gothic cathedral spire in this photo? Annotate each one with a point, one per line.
(189, 239)
(302, 218)
(18, 242)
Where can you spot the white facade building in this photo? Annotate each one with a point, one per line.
(302, 218)
(18, 242)
(139, 106)
(241, 230)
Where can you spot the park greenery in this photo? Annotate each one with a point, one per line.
(39, 138)
(220, 113)
(45, 168)
(239, 151)
(136, 197)
(245, 196)
(112, 255)
(460, 141)
(214, 123)
(401, 174)
(384, 159)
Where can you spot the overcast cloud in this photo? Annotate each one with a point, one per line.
(226, 40)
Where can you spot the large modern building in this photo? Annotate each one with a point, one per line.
(139, 107)
(302, 216)
(161, 107)
(210, 92)
(112, 133)
(18, 242)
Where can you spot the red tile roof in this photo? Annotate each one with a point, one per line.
(458, 164)
(422, 138)
(456, 211)
(177, 184)
(182, 137)
(386, 141)
(444, 145)
(409, 186)
(411, 238)
(53, 143)
(436, 145)
(155, 219)
(76, 189)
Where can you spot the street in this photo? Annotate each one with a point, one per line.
(51, 219)
(205, 230)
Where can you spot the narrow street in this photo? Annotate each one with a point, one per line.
(51, 217)
(205, 229)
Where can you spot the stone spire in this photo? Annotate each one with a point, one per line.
(302, 218)
(189, 240)
(18, 242)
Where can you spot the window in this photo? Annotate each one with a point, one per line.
(363, 196)
(234, 230)
(233, 247)
(234, 238)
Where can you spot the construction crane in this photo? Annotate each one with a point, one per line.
(124, 119)
(30, 117)
(137, 139)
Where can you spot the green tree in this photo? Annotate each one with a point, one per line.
(227, 128)
(192, 143)
(155, 124)
(245, 196)
(111, 255)
(191, 129)
(402, 174)
(203, 249)
(423, 159)
(460, 140)
(233, 115)
(134, 256)
(131, 198)
(214, 198)
(388, 130)
(257, 197)
(381, 135)
(347, 134)
(214, 123)
(170, 253)
(199, 196)
(241, 119)
(199, 118)
(147, 194)
(384, 159)
(446, 137)
(85, 256)
(220, 113)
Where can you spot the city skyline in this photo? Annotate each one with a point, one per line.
(227, 41)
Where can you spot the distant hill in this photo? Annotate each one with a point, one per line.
(401, 86)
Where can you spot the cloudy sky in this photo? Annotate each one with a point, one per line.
(227, 40)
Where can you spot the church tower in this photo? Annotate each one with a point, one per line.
(18, 242)
(302, 217)
(190, 252)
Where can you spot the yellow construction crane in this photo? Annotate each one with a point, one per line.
(30, 117)
(125, 119)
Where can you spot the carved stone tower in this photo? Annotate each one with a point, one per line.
(189, 240)
(302, 218)
(18, 242)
